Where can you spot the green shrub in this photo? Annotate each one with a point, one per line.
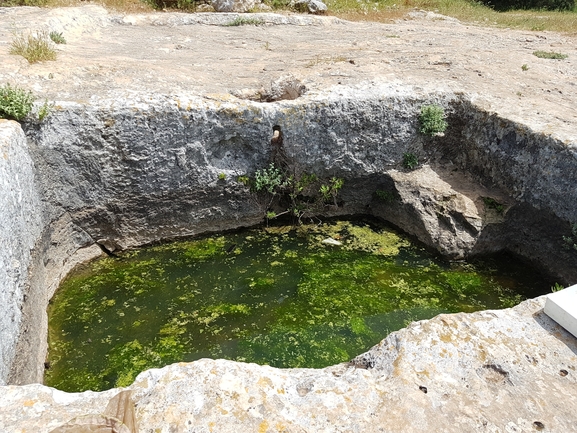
(269, 179)
(15, 103)
(57, 38)
(33, 47)
(221, 176)
(410, 161)
(549, 55)
(432, 119)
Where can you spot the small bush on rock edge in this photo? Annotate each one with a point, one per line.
(410, 161)
(15, 103)
(432, 119)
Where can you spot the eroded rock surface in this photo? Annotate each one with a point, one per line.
(508, 370)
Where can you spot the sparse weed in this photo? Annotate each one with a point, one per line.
(45, 110)
(550, 55)
(15, 103)
(57, 38)
(524, 67)
(571, 240)
(491, 203)
(556, 287)
(34, 47)
(244, 21)
(222, 176)
(386, 196)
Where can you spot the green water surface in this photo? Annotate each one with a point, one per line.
(275, 296)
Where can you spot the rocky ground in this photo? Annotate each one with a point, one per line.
(109, 55)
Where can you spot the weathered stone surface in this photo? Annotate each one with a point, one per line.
(508, 370)
(20, 228)
(444, 209)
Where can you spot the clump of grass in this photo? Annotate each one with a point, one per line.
(221, 176)
(410, 161)
(57, 38)
(244, 21)
(34, 47)
(549, 55)
(432, 119)
(524, 67)
(15, 102)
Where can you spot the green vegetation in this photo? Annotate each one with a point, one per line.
(524, 67)
(277, 296)
(491, 203)
(386, 196)
(245, 21)
(221, 176)
(34, 47)
(330, 190)
(549, 55)
(432, 120)
(57, 38)
(571, 240)
(15, 103)
(44, 110)
(410, 161)
(556, 287)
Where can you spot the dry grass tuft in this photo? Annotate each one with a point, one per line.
(34, 47)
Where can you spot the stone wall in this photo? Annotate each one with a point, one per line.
(147, 169)
(21, 226)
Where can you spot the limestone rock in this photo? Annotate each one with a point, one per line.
(316, 7)
(233, 5)
(442, 209)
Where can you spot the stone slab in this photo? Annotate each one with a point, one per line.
(561, 306)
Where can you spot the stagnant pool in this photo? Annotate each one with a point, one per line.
(283, 296)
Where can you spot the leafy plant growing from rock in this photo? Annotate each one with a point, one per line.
(34, 47)
(15, 102)
(410, 161)
(432, 120)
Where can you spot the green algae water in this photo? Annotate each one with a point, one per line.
(281, 296)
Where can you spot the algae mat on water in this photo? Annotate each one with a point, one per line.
(278, 296)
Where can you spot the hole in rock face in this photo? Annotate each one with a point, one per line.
(307, 296)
